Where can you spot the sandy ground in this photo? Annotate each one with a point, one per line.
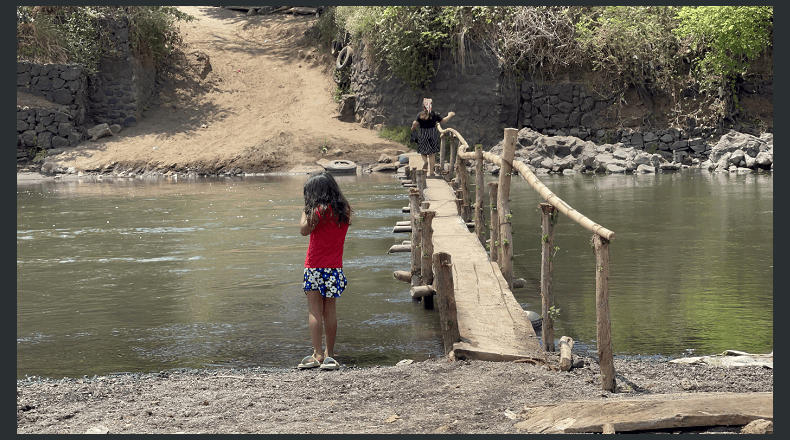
(265, 106)
(434, 396)
(247, 96)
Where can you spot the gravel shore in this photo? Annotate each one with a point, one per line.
(433, 396)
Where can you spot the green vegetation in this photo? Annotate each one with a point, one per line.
(654, 49)
(398, 133)
(72, 34)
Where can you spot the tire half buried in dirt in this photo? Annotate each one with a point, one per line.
(341, 167)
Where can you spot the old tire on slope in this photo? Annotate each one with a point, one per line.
(341, 166)
(344, 58)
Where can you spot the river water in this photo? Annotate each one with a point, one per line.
(149, 275)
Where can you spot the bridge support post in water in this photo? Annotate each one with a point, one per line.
(414, 212)
(479, 217)
(445, 296)
(493, 236)
(604, 325)
(426, 251)
(546, 271)
(503, 206)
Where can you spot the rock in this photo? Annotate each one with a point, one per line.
(346, 108)
(615, 169)
(115, 128)
(384, 158)
(98, 430)
(385, 167)
(645, 169)
(759, 426)
(99, 131)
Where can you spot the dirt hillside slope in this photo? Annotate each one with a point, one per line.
(247, 96)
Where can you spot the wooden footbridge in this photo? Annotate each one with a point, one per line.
(480, 318)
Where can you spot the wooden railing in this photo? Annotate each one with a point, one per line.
(500, 237)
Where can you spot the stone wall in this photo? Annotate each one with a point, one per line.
(117, 94)
(123, 87)
(486, 102)
(59, 124)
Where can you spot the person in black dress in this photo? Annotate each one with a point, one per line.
(428, 136)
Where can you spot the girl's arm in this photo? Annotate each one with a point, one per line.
(414, 125)
(306, 225)
(447, 118)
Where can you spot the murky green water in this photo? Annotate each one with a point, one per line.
(131, 276)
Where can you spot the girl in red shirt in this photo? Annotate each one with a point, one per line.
(326, 217)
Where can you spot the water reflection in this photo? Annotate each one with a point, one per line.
(139, 275)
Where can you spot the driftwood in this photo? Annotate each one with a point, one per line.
(566, 356)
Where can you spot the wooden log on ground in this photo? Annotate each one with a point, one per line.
(418, 292)
(548, 218)
(399, 248)
(604, 325)
(479, 217)
(445, 296)
(426, 222)
(403, 275)
(493, 239)
(566, 353)
(503, 206)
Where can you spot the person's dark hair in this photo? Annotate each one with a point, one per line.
(321, 190)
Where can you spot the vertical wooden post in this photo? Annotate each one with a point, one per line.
(453, 148)
(604, 325)
(426, 219)
(503, 206)
(414, 212)
(441, 155)
(421, 184)
(479, 217)
(493, 236)
(546, 272)
(445, 296)
(463, 184)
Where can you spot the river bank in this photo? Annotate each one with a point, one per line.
(434, 396)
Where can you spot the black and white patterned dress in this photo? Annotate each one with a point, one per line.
(428, 136)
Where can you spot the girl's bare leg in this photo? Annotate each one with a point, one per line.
(315, 303)
(431, 164)
(330, 325)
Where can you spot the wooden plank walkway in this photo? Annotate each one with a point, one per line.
(492, 324)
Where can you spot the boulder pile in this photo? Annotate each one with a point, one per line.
(734, 152)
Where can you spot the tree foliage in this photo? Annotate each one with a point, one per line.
(63, 34)
(723, 39)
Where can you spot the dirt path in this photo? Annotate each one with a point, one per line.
(265, 104)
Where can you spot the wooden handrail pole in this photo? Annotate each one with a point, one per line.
(445, 296)
(463, 183)
(546, 272)
(421, 184)
(453, 146)
(503, 206)
(493, 236)
(441, 154)
(414, 212)
(604, 325)
(479, 217)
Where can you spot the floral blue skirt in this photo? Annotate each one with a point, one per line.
(330, 282)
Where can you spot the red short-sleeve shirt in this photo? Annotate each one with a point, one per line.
(326, 242)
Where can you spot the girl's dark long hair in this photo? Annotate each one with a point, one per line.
(321, 190)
